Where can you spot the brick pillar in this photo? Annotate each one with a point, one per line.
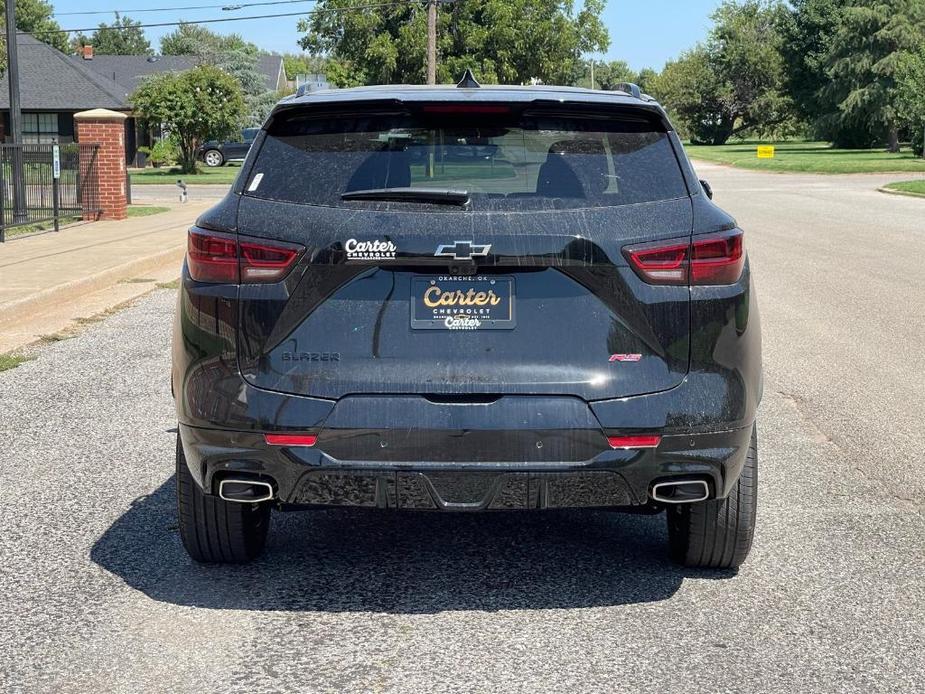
(106, 174)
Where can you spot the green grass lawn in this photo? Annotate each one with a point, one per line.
(908, 187)
(133, 211)
(809, 157)
(145, 210)
(167, 175)
(11, 361)
(39, 226)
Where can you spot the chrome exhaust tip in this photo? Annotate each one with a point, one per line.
(245, 491)
(681, 492)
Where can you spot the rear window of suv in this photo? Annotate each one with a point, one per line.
(503, 158)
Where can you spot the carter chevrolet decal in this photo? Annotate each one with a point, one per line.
(370, 250)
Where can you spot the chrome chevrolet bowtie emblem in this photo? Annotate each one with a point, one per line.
(463, 250)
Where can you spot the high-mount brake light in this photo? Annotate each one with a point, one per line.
(710, 259)
(466, 108)
(306, 440)
(220, 258)
(635, 441)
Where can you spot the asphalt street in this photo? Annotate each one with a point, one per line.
(99, 596)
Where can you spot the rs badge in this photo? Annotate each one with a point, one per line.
(624, 357)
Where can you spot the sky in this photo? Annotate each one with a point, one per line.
(644, 34)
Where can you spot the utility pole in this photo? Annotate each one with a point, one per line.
(12, 68)
(592, 73)
(431, 41)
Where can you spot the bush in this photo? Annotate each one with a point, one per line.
(164, 151)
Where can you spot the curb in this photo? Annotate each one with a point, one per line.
(904, 193)
(13, 311)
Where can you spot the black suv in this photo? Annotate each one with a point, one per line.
(215, 153)
(467, 299)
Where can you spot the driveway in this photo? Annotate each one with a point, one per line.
(100, 596)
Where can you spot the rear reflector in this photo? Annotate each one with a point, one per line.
(712, 259)
(290, 439)
(220, 258)
(637, 441)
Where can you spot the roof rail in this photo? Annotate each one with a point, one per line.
(629, 88)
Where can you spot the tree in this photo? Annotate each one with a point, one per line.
(258, 108)
(123, 37)
(231, 54)
(296, 64)
(807, 32)
(241, 65)
(506, 41)
(692, 92)
(192, 106)
(862, 59)
(193, 39)
(910, 95)
(606, 75)
(35, 16)
(646, 78)
(734, 82)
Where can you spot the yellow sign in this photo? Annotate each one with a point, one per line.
(765, 151)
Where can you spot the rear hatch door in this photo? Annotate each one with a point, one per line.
(521, 290)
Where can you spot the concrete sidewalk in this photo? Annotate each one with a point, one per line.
(48, 281)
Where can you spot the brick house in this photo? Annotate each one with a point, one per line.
(54, 86)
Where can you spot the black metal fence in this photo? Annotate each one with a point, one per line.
(31, 193)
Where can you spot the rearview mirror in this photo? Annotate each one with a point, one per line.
(707, 188)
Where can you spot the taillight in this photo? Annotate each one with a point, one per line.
(711, 259)
(261, 262)
(717, 259)
(663, 264)
(213, 257)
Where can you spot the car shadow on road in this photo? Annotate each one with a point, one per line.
(411, 562)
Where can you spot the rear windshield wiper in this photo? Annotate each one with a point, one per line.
(436, 195)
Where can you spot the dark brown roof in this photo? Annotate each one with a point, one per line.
(51, 81)
(129, 70)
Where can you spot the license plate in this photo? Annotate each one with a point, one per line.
(446, 302)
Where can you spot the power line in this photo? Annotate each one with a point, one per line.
(321, 10)
(229, 5)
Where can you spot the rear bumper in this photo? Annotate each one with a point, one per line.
(611, 478)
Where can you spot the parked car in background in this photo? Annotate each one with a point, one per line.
(215, 153)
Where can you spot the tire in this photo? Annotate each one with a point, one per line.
(213, 158)
(215, 531)
(718, 534)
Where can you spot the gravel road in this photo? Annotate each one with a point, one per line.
(100, 596)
